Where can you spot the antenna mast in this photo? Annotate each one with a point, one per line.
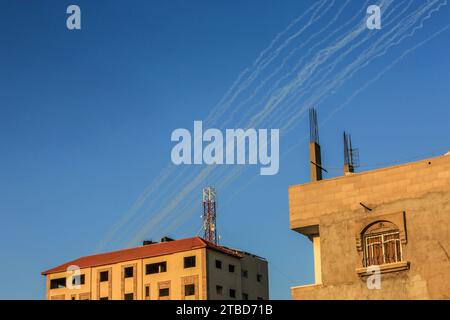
(351, 155)
(209, 214)
(315, 157)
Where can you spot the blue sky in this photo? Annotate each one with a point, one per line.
(86, 118)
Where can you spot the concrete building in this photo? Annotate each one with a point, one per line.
(380, 234)
(189, 268)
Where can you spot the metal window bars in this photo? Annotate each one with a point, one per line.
(382, 248)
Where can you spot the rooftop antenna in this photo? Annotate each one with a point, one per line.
(209, 214)
(351, 155)
(315, 157)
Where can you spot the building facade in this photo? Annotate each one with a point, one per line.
(380, 234)
(182, 269)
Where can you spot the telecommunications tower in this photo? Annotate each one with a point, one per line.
(209, 214)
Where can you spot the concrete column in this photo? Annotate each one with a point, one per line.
(317, 260)
(315, 161)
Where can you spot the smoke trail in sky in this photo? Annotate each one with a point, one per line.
(383, 72)
(239, 190)
(238, 86)
(284, 62)
(261, 62)
(314, 78)
(336, 47)
(374, 51)
(416, 15)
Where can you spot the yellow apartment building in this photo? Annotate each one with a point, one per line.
(184, 269)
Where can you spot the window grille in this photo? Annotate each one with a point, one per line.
(382, 248)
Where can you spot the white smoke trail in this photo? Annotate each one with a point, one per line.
(310, 84)
(284, 62)
(229, 178)
(172, 204)
(373, 52)
(347, 101)
(382, 44)
(383, 72)
(370, 82)
(309, 69)
(271, 90)
(216, 112)
(259, 65)
(274, 102)
(236, 172)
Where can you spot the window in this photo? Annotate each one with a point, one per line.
(84, 296)
(128, 296)
(128, 272)
(244, 296)
(219, 290)
(232, 293)
(164, 292)
(189, 290)
(156, 267)
(104, 298)
(147, 292)
(218, 264)
(259, 277)
(189, 262)
(78, 280)
(244, 273)
(58, 283)
(381, 244)
(104, 276)
(231, 268)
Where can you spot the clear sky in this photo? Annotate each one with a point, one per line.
(86, 118)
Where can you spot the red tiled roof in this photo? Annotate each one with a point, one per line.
(152, 250)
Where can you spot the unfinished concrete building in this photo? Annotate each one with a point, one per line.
(380, 234)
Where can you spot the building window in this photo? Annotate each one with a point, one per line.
(244, 296)
(382, 244)
(231, 268)
(189, 290)
(164, 292)
(259, 277)
(128, 272)
(382, 248)
(104, 298)
(147, 292)
(78, 279)
(156, 267)
(84, 296)
(244, 273)
(232, 293)
(104, 276)
(219, 290)
(218, 264)
(128, 296)
(58, 283)
(189, 262)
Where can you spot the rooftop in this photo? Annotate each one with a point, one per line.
(142, 252)
(363, 192)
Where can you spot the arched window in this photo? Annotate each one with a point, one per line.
(381, 243)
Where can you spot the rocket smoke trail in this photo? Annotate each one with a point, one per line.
(314, 76)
